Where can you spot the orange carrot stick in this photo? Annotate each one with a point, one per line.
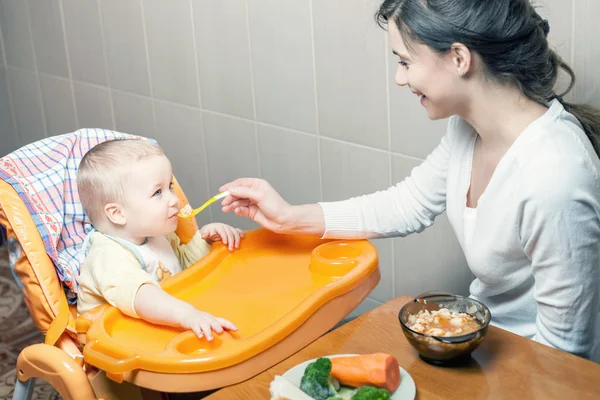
(378, 369)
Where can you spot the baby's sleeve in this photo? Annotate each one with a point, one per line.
(191, 252)
(118, 276)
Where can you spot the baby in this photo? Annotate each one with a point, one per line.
(126, 189)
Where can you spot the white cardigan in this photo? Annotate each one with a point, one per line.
(533, 243)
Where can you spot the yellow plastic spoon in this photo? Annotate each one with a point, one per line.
(187, 212)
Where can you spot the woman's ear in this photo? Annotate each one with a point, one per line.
(461, 58)
(115, 214)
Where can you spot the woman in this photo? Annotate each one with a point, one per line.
(517, 171)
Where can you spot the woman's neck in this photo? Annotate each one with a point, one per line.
(500, 114)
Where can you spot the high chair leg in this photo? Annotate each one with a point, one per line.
(23, 390)
(54, 366)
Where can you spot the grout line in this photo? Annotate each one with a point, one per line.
(573, 44)
(389, 127)
(71, 84)
(253, 88)
(56, 77)
(356, 145)
(394, 153)
(388, 101)
(10, 100)
(206, 164)
(573, 41)
(203, 133)
(145, 32)
(110, 94)
(195, 46)
(37, 75)
(315, 93)
(3, 55)
(234, 117)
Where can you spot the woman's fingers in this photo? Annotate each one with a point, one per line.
(234, 203)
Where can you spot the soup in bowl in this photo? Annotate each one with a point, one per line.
(444, 328)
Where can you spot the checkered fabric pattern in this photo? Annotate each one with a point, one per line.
(44, 175)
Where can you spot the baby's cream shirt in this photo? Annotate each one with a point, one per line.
(112, 271)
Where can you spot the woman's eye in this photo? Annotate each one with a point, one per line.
(158, 192)
(403, 63)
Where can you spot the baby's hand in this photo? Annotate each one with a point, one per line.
(229, 235)
(203, 323)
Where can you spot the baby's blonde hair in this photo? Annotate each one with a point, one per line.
(102, 172)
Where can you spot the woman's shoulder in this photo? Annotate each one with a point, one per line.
(557, 158)
(559, 140)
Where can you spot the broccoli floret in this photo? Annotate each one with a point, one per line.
(315, 381)
(371, 393)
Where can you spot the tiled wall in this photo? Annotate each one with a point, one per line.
(299, 92)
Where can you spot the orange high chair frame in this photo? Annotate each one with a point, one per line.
(60, 360)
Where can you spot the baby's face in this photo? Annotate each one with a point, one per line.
(151, 204)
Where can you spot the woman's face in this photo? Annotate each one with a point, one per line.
(433, 78)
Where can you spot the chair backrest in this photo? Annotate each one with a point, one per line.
(35, 270)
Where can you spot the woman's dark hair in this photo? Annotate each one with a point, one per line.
(509, 35)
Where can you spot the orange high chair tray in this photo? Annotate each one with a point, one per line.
(282, 291)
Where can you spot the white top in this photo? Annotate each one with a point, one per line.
(159, 257)
(114, 269)
(533, 243)
(469, 224)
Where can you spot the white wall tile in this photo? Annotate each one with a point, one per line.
(587, 52)
(559, 14)
(350, 70)
(48, 37)
(133, 114)
(2, 63)
(385, 289)
(283, 79)
(350, 170)
(367, 305)
(179, 133)
(290, 162)
(18, 45)
(59, 108)
(232, 153)
(8, 133)
(25, 94)
(93, 106)
(171, 51)
(224, 56)
(125, 45)
(84, 37)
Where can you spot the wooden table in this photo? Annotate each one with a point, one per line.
(505, 366)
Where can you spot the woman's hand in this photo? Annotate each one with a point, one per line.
(257, 200)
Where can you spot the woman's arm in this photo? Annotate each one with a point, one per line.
(408, 207)
(560, 233)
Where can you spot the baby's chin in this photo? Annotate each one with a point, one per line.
(164, 232)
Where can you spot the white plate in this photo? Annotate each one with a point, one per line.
(406, 391)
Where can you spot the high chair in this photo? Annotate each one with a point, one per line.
(283, 292)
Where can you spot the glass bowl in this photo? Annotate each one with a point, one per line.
(445, 350)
